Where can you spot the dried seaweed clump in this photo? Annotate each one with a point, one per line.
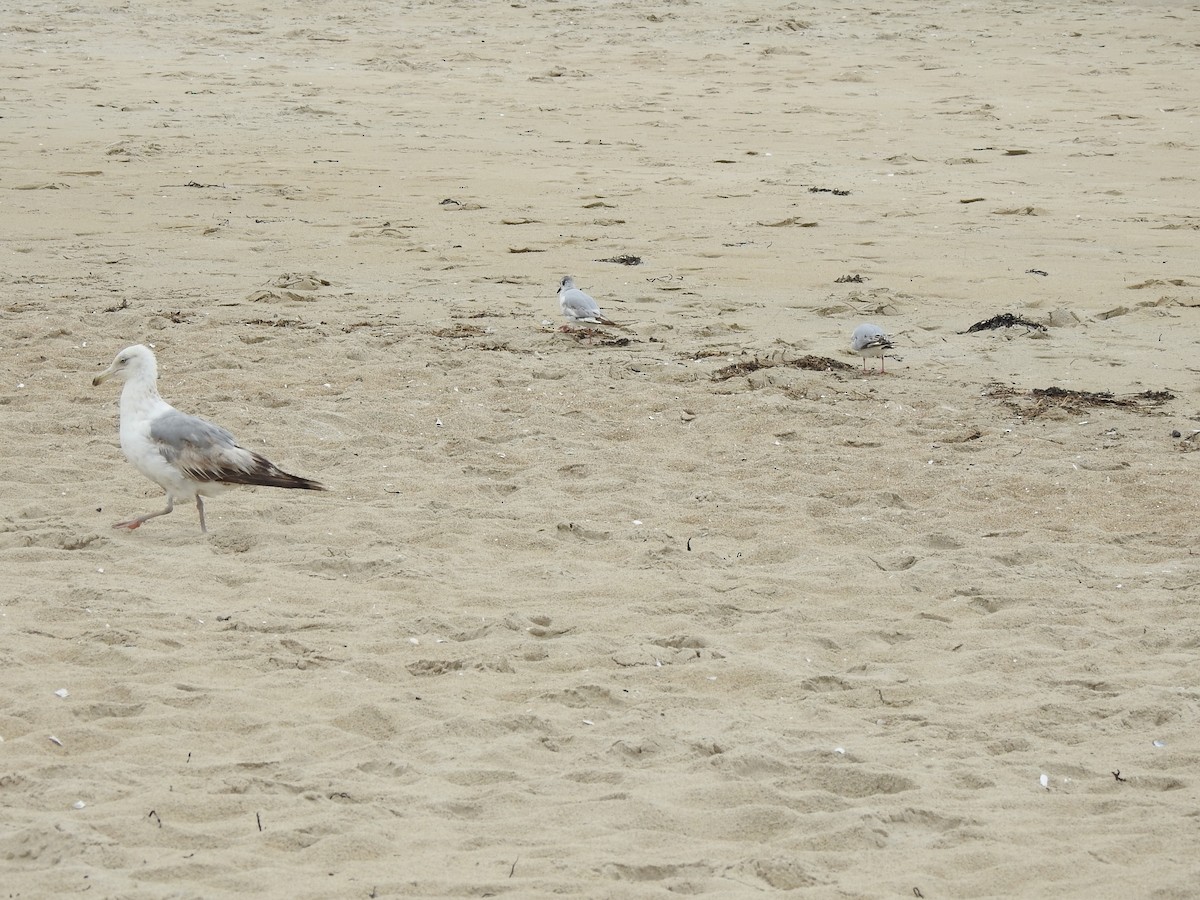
(1034, 402)
(459, 331)
(733, 371)
(1004, 320)
(812, 363)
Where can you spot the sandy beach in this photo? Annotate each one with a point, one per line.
(692, 608)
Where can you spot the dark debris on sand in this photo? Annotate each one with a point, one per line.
(812, 363)
(1189, 444)
(596, 337)
(1033, 403)
(459, 331)
(1004, 320)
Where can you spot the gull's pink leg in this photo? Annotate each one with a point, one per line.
(133, 524)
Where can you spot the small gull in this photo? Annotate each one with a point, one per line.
(579, 307)
(870, 340)
(185, 455)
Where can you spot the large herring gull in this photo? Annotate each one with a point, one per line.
(185, 455)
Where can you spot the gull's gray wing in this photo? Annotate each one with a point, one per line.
(206, 452)
(581, 305)
(179, 436)
(583, 308)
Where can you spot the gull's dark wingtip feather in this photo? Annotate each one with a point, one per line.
(270, 476)
(300, 482)
(263, 473)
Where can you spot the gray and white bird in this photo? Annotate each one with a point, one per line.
(185, 455)
(870, 340)
(578, 307)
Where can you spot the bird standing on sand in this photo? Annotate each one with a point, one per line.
(579, 307)
(185, 455)
(870, 340)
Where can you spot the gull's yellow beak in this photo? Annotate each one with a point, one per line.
(104, 376)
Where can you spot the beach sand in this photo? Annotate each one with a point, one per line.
(598, 615)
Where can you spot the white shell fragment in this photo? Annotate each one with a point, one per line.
(62, 693)
(79, 804)
(1160, 744)
(1044, 781)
